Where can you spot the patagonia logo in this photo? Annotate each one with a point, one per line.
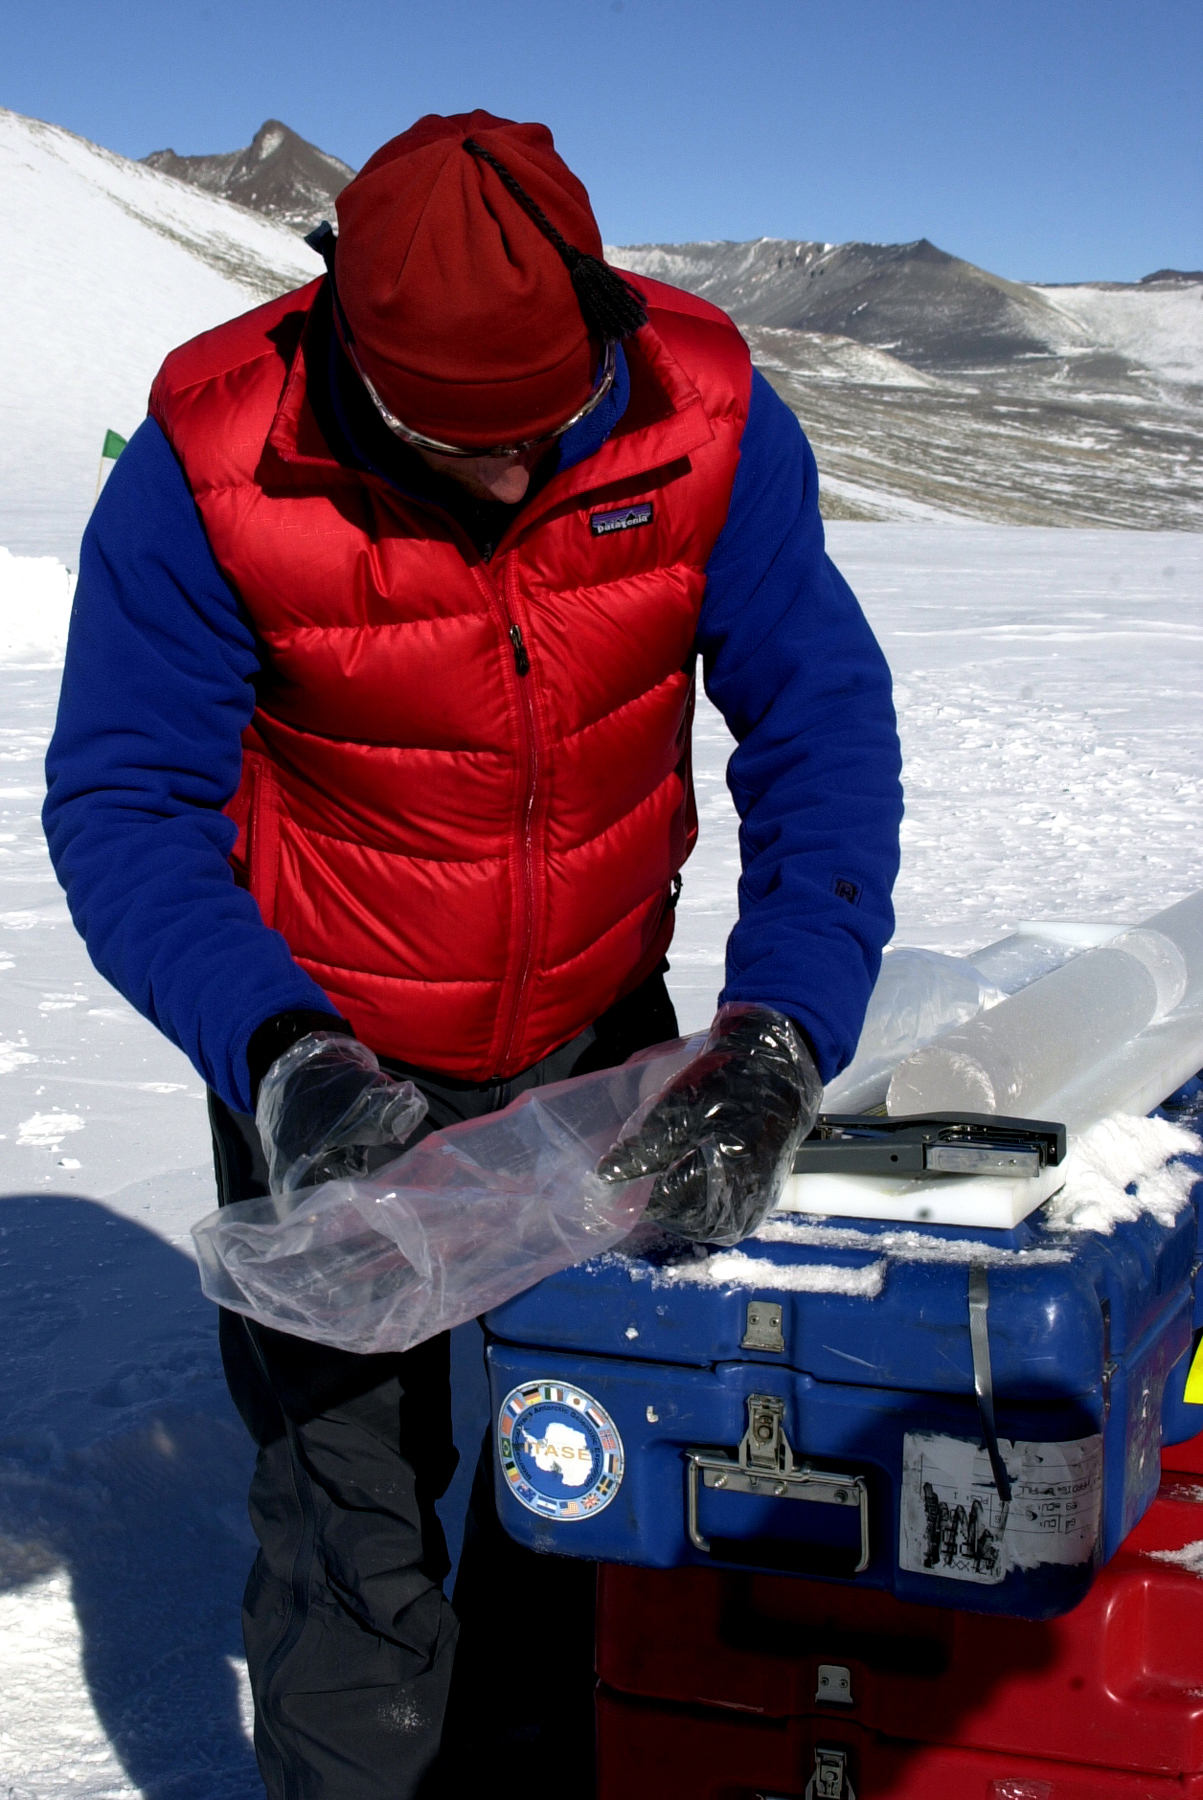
(620, 518)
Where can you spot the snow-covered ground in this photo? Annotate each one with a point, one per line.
(107, 265)
(1050, 687)
(1158, 327)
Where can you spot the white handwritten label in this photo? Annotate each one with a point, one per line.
(955, 1526)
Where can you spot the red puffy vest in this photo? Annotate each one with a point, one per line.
(470, 849)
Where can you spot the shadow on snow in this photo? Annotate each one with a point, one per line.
(123, 1462)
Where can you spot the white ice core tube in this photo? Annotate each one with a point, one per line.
(1064, 1032)
(919, 994)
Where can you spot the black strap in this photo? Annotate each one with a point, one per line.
(983, 1380)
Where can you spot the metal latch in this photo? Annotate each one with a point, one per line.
(830, 1779)
(765, 1466)
(763, 1326)
(930, 1144)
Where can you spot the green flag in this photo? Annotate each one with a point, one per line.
(114, 444)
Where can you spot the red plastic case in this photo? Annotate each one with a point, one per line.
(1116, 1684)
(658, 1752)
(1184, 1459)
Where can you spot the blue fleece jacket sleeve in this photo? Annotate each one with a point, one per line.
(147, 750)
(791, 663)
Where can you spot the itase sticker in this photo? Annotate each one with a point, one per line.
(954, 1524)
(560, 1450)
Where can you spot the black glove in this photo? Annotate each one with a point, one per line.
(326, 1110)
(721, 1137)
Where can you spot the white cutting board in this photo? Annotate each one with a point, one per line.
(989, 1202)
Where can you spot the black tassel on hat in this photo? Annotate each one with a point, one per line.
(610, 306)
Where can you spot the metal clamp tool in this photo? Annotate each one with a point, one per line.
(765, 1466)
(930, 1144)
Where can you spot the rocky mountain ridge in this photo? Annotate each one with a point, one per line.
(279, 174)
(930, 386)
(915, 301)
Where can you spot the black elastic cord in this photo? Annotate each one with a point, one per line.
(610, 306)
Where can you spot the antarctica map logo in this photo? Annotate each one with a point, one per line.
(560, 1450)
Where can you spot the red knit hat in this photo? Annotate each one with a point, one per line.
(464, 314)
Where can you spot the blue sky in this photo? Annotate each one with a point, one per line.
(1050, 140)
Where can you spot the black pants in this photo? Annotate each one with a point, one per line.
(368, 1683)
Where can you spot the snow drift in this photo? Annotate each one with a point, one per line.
(35, 609)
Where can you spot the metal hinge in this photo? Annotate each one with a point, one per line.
(834, 1685)
(763, 1326)
(765, 1466)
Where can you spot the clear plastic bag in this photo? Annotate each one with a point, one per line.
(468, 1218)
(721, 1138)
(326, 1109)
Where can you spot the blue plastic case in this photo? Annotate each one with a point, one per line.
(813, 1403)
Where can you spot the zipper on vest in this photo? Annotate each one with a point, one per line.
(526, 848)
(521, 659)
(499, 592)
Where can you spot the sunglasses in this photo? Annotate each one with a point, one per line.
(417, 439)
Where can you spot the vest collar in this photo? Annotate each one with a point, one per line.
(664, 421)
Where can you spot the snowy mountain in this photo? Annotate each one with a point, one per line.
(1048, 685)
(930, 386)
(927, 307)
(931, 389)
(108, 264)
(279, 174)
(1175, 275)
(937, 311)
